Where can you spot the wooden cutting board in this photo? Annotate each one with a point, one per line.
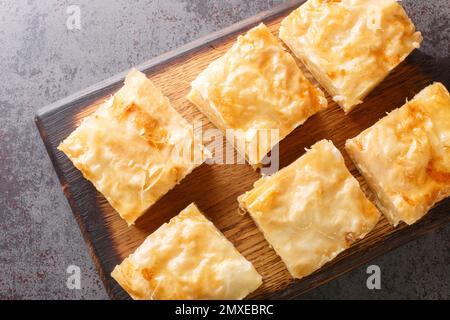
(215, 187)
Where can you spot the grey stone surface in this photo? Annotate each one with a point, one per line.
(42, 61)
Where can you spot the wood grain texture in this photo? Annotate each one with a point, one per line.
(215, 187)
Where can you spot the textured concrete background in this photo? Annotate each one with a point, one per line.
(42, 61)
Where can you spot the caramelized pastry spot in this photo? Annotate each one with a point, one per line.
(350, 237)
(314, 98)
(437, 175)
(330, 1)
(336, 73)
(147, 274)
(408, 200)
(150, 128)
(359, 145)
